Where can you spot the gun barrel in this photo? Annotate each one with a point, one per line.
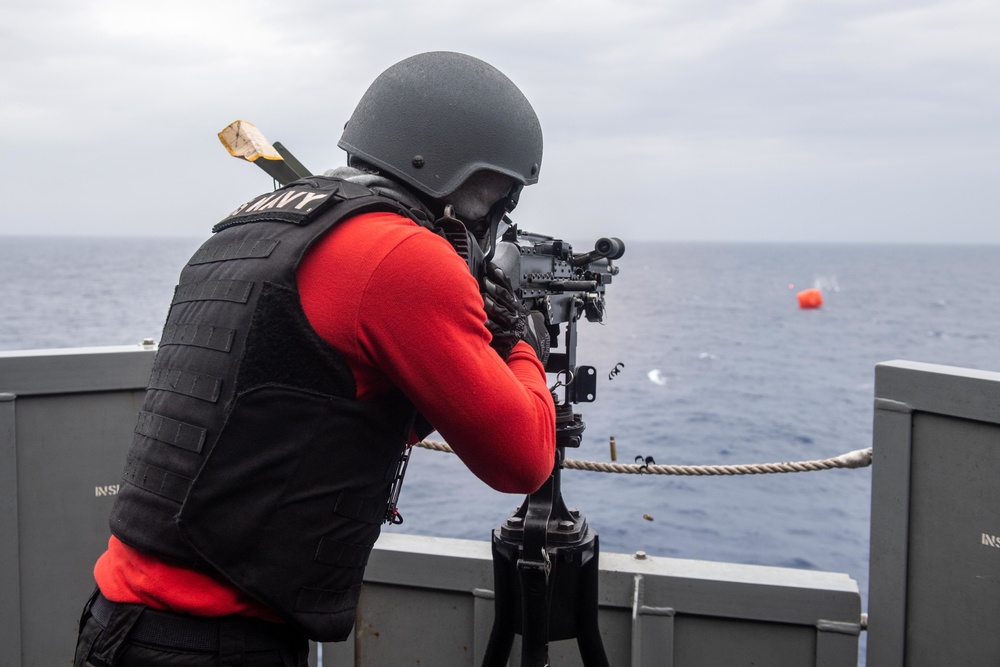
(569, 285)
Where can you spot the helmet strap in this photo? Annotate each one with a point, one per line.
(475, 241)
(485, 228)
(465, 243)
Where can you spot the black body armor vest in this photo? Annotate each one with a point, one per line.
(252, 457)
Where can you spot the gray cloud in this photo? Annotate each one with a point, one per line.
(770, 120)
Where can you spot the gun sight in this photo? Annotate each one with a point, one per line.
(605, 248)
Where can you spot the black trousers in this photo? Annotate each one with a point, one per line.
(132, 635)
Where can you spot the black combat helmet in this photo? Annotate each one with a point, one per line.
(436, 118)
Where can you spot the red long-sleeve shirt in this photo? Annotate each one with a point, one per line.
(400, 305)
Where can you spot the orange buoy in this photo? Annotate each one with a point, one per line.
(810, 298)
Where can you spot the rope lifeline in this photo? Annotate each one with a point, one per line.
(860, 458)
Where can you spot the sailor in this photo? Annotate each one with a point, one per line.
(318, 331)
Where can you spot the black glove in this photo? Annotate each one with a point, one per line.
(508, 320)
(536, 335)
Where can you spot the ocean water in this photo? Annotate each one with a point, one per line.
(716, 365)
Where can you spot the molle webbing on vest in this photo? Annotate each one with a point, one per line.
(196, 385)
(342, 554)
(171, 431)
(360, 508)
(199, 335)
(156, 480)
(319, 601)
(236, 291)
(246, 249)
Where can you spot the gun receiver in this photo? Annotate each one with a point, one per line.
(549, 278)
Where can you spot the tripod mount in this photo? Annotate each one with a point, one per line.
(545, 570)
(545, 555)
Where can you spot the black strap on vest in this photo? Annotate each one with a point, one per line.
(171, 431)
(236, 291)
(156, 480)
(188, 383)
(258, 249)
(198, 335)
(318, 601)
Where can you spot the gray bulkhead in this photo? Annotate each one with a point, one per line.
(66, 418)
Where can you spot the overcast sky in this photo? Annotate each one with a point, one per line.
(718, 120)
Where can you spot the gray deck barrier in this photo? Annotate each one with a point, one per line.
(66, 418)
(934, 596)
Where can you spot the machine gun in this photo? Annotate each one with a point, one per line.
(548, 277)
(545, 556)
